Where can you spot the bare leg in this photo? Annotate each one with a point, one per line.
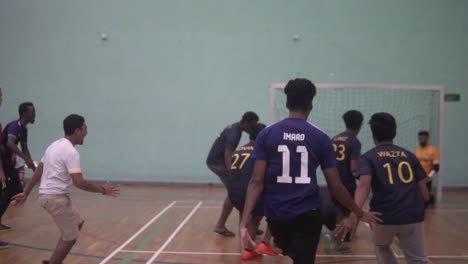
(252, 226)
(267, 237)
(62, 249)
(227, 209)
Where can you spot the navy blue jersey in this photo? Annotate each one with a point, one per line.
(229, 138)
(347, 148)
(14, 129)
(293, 150)
(395, 174)
(239, 178)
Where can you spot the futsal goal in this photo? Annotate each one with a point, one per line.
(414, 107)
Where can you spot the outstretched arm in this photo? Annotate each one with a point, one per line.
(22, 197)
(106, 189)
(254, 190)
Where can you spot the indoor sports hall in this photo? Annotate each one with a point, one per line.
(160, 82)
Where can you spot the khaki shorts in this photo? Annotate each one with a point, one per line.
(64, 213)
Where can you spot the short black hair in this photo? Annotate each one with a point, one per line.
(71, 123)
(299, 94)
(423, 133)
(24, 108)
(256, 130)
(353, 119)
(383, 126)
(249, 117)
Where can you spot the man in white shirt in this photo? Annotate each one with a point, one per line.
(58, 169)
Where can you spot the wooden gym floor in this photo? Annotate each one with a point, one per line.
(172, 224)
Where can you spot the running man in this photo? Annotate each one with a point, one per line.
(428, 156)
(398, 184)
(241, 173)
(15, 132)
(58, 169)
(287, 155)
(219, 161)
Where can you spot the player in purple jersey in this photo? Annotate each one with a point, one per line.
(398, 184)
(240, 175)
(348, 150)
(219, 161)
(3, 244)
(287, 155)
(15, 132)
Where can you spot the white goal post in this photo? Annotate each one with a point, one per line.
(404, 101)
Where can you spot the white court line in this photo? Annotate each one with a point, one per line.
(204, 201)
(137, 233)
(238, 254)
(138, 251)
(446, 210)
(174, 234)
(201, 207)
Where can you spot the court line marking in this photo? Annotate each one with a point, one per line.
(442, 210)
(318, 255)
(170, 238)
(201, 207)
(76, 254)
(147, 240)
(143, 228)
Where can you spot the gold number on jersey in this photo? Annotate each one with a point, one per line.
(340, 151)
(401, 174)
(245, 157)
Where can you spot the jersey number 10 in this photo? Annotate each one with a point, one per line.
(286, 177)
(404, 179)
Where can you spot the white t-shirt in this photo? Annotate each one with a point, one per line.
(60, 160)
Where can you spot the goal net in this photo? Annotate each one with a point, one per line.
(415, 108)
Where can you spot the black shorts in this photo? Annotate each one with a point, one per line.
(13, 183)
(298, 237)
(12, 188)
(328, 209)
(343, 210)
(238, 200)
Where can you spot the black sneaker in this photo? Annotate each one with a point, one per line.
(4, 227)
(4, 245)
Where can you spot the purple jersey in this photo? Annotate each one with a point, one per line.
(229, 138)
(14, 129)
(293, 150)
(395, 174)
(347, 148)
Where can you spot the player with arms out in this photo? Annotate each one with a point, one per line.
(348, 150)
(428, 156)
(398, 184)
(219, 161)
(58, 169)
(241, 173)
(287, 155)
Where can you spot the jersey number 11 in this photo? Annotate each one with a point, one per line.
(286, 177)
